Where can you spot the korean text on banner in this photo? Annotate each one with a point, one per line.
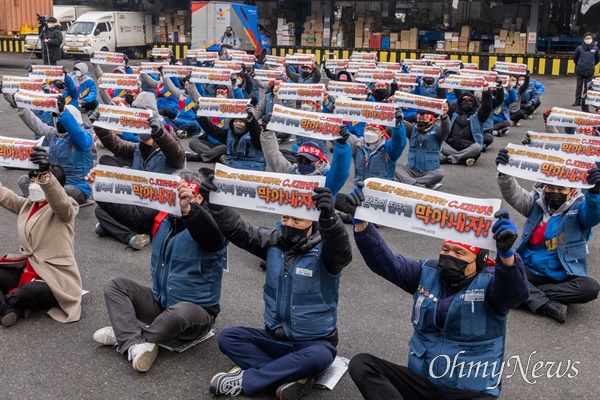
(547, 166)
(36, 100)
(428, 212)
(234, 66)
(202, 55)
(353, 90)
(151, 67)
(565, 117)
(160, 52)
(581, 145)
(224, 108)
(419, 102)
(274, 60)
(389, 65)
(247, 59)
(424, 70)
(10, 84)
(108, 58)
(375, 75)
(15, 153)
(366, 111)
(300, 91)
(119, 81)
(267, 75)
(465, 82)
(361, 56)
(298, 59)
(315, 125)
(212, 76)
(436, 57)
(406, 79)
(510, 68)
(177, 71)
(284, 194)
(124, 119)
(489, 76)
(140, 188)
(413, 61)
(49, 72)
(471, 65)
(337, 63)
(592, 98)
(354, 66)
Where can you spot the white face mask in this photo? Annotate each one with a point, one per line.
(588, 41)
(36, 193)
(221, 96)
(371, 137)
(50, 25)
(78, 73)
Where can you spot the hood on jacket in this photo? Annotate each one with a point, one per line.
(471, 96)
(347, 74)
(539, 189)
(146, 101)
(231, 124)
(82, 67)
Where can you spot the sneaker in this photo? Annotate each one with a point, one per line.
(138, 242)
(189, 156)
(530, 116)
(263, 265)
(576, 103)
(518, 124)
(105, 336)
(223, 159)
(295, 390)
(181, 134)
(495, 133)
(142, 355)
(100, 231)
(555, 310)
(469, 162)
(227, 383)
(444, 159)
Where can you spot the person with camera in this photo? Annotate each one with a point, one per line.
(51, 39)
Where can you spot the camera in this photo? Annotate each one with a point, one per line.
(42, 20)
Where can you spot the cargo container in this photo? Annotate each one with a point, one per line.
(15, 13)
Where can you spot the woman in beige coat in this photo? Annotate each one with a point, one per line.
(45, 274)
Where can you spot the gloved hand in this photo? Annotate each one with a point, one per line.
(65, 70)
(344, 135)
(46, 88)
(160, 69)
(94, 115)
(505, 234)
(356, 196)
(253, 101)
(502, 157)
(249, 113)
(208, 186)
(156, 127)
(262, 57)
(498, 83)
(330, 107)
(526, 139)
(11, 100)
(399, 114)
(126, 59)
(325, 202)
(41, 158)
(593, 178)
(29, 68)
(547, 114)
(196, 107)
(60, 104)
(265, 119)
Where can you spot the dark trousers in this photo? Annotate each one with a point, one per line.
(167, 113)
(206, 151)
(378, 379)
(124, 221)
(91, 106)
(115, 161)
(498, 126)
(517, 116)
(30, 295)
(268, 362)
(581, 88)
(136, 317)
(192, 128)
(573, 290)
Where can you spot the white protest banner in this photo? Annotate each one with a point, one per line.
(151, 67)
(505, 79)
(211, 76)
(202, 55)
(124, 119)
(315, 125)
(489, 76)
(375, 75)
(232, 52)
(335, 64)
(119, 81)
(160, 52)
(389, 65)
(565, 117)
(510, 68)
(274, 60)
(283, 194)
(547, 166)
(406, 79)
(592, 98)
(139, 188)
(581, 145)
(247, 59)
(301, 91)
(300, 59)
(470, 65)
(420, 102)
(447, 65)
(586, 4)
(424, 70)
(366, 111)
(15, 152)
(436, 57)
(48, 72)
(225, 108)
(354, 66)
(234, 66)
(362, 56)
(413, 61)
(465, 82)
(354, 90)
(429, 212)
(595, 84)
(36, 100)
(10, 84)
(108, 58)
(177, 71)
(267, 75)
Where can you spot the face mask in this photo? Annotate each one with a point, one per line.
(60, 128)
(555, 200)
(228, 34)
(239, 129)
(36, 193)
(588, 41)
(406, 89)
(422, 126)
(521, 82)
(305, 74)
(50, 25)
(306, 107)
(306, 168)
(78, 73)
(379, 94)
(221, 96)
(291, 236)
(371, 137)
(129, 99)
(452, 269)
(466, 106)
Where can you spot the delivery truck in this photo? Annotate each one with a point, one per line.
(122, 31)
(65, 15)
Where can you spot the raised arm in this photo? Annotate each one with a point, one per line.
(276, 162)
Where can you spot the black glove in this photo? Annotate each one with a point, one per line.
(344, 135)
(94, 115)
(156, 127)
(159, 69)
(265, 119)
(593, 178)
(243, 71)
(196, 107)
(498, 83)
(502, 157)
(526, 139)
(126, 59)
(368, 92)
(262, 57)
(41, 158)
(249, 112)
(46, 88)
(60, 104)
(253, 101)
(399, 116)
(65, 70)
(208, 186)
(29, 68)
(356, 197)
(325, 202)
(11, 100)
(234, 82)
(505, 234)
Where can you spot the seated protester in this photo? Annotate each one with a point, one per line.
(188, 257)
(554, 241)
(516, 113)
(442, 290)
(530, 98)
(379, 92)
(300, 317)
(425, 141)
(166, 102)
(410, 113)
(159, 152)
(501, 113)
(45, 274)
(264, 109)
(309, 73)
(85, 86)
(467, 118)
(242, 139)
(429, 87)
(185, 123)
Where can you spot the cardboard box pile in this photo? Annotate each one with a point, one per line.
(461, 42)
(171, 27)
(313, 30)
(510, 42)
(364, 27)
(285, 33)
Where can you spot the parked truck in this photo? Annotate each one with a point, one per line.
(65, 15)
(122, 31)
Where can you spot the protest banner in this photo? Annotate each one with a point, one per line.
(232, 52)
(267, 75)
(301, 91)
(225, 108)
(354, 90)
(124, 119)
(201, 55)
(108, 58)
(47, 72)
(151, 67)
(234, 66)
(310, 124)
(119, 81)
(247, 59)
(406, 79)
(510, 68)
(419, 102)
(389, 65)
(592, 98)
(375, 75)
(465, 82)
(160, 52)
(505, 79)
(15, 153)
(177, 71)
(447, 65)
(139, 188)
(595, 85)
(581, 145)
(470, 65)
(335, 64)
(547, 166)
(363, 56)
(366, 111)
(354, 66)
(413, 61)
(434, 57)
(300, 59)
(10, 84)
(283, 194)
(565, 117)
(424, 70)
(36, 100)
(429, 212)
(211, 76)
(489, 76)
(274, 60)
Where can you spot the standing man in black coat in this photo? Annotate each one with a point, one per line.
(586, 57)
(51, 41)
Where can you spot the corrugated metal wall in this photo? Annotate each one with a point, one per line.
(14, 13)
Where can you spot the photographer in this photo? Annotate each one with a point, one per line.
(51, 39)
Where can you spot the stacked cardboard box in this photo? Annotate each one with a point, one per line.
(406, 40)
(285, 33)
(313, 30)
(451, 41)
(171, 27)
(365, 25)
(510, 42)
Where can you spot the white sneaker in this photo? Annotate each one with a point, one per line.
(470, 161)
(142, 355)
(139, 241)
(105, 336)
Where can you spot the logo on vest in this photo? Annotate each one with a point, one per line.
(474, 295)
(304, 272)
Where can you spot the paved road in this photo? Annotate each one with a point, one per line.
(42, 359)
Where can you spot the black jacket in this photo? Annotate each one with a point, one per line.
(586, 57)
(53, 47)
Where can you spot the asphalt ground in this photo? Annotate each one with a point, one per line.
(43, 359)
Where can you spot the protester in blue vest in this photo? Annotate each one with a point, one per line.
(461, 303)
(586, 57)
(304, 261)
(501, 113)
(530, 99)
(309, 73)
(429, 87)
(188, 257)
(185, 124)
(265, 41)
(379, 92)
(554, 241)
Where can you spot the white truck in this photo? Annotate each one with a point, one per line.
(65, 15)
(122, 31)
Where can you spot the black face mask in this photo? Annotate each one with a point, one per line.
(306, 168)
(466, 106)
(59, 85)
(452, 269)
(379, 94)
(291, 236)
(228, 33)
(129, 99)
(305, 74)
(60, 128)
(422, 126)
(555, 200)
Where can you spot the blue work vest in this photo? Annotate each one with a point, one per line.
(246, 156)
(424, 155)
(75, 163)
(372, 164)
(156, 162)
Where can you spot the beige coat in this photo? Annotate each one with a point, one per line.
(47, 240)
